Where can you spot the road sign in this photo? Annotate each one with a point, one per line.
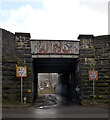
(29, 90)
(93, 75)
(21, 71)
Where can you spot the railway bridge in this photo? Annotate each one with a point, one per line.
(71, 59)
(57, 56)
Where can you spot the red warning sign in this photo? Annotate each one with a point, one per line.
(93, 75)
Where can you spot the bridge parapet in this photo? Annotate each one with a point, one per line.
(54, 48)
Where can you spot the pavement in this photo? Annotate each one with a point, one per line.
(16, 106)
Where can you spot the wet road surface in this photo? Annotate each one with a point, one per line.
(50, 106)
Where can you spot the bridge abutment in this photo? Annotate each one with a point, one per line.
(94, 55)
(16, 51)
(24, 58)
(9, 61)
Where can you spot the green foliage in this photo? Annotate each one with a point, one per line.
(47, 91)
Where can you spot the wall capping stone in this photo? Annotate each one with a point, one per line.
(22, 34)
(84, 36)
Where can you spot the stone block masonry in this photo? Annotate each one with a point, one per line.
(23, 52)
(16, 51)
(95, 55)
(0, 72)
(102, 64)
(8, 67)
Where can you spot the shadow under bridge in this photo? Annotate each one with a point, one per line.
(68, 75)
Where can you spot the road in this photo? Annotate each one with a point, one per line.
(62, 112)
(55, 111)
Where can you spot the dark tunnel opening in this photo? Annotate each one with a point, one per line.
(68, 84)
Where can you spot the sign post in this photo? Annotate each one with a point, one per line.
(21, 72)
(93, 75)
(21, 90)
(93, 89)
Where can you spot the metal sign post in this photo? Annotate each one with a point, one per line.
(93, 90)
(93, 75)
(21, 90)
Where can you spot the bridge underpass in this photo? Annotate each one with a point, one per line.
(17, 50)
(67, 69)
(57, 56)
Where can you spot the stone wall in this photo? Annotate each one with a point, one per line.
(0, 71)
(95, 55)
(102, 64)
(8, 67)
(16, 51)
(23, 52)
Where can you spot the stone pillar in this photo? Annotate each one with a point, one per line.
(24, 58)
(95, 54)
(87, 62)
(102, 60)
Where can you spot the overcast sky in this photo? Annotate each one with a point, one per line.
(55, 19)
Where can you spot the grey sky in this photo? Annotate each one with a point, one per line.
(55, 19)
